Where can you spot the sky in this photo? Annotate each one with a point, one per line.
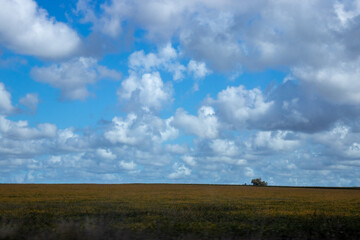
(192, 91)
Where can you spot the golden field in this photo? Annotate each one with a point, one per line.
(176, 211)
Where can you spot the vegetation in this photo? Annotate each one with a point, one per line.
(160, 211)
(258, 182)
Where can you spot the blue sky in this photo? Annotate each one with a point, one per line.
(200, 91)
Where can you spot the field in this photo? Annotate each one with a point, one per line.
(172, 211)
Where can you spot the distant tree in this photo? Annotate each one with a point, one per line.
(258, 182)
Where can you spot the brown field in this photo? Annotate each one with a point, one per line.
(175, 211)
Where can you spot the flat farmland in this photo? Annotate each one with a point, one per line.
(177, 211)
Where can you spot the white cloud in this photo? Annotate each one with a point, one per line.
(176, 148)
(111, 22)
(353, 150)
(167, 130)
(228, 35)
(127, 165)
(21, 130)
(72, 77)
(189, 160)
(190, 21)
(198, 69)
(65, 135)
(211, 37)
(160, 18)
(292, 106)
(120, 133)
(224, 147)
(180, 171)
(104, 72)
(296, 132)
(68, 141)
(276, 141)
(27, 29)
(338, 82)
(141, 130)
(165, 59)
(227, 160)
(249, 172)
(105, 154)
(205, 125)
(345, 16)
(239, 106)
(55, 159)
(5, 101)
(340, 142)
(149, 91)
(31, 101)
(336, 134)
(151, 61)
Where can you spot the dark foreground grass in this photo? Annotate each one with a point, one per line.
(156, 211)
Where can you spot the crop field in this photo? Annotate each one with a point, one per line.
(175, 211)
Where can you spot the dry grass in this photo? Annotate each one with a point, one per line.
(160, 211)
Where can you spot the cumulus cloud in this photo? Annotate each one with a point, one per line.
(340, 142)
(180, 171)
(140, 130)
(205, 125)
(163, 21)
(115, 12)
(198, 69)
(5, 100)
(165, 59)
(110, 23)
(286, 106)
(121, 130)
(249, 172)
(190, 160)
(224, 28)
(21, 130)
(147, 91)
(127, 165)
(176, 148)
(255, 35)
(30, 101)
(18, 138)
(27, 29)
(72, 77)
(224, 147)
(240, 106)
(347, 11)
(141, 139)
(337, 83)
(284, 155)
(220, 152)
(301, 107)
(303, 130)
(105, 154)
(273, 141)
(67, 141)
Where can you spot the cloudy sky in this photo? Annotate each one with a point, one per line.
(192, 91)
